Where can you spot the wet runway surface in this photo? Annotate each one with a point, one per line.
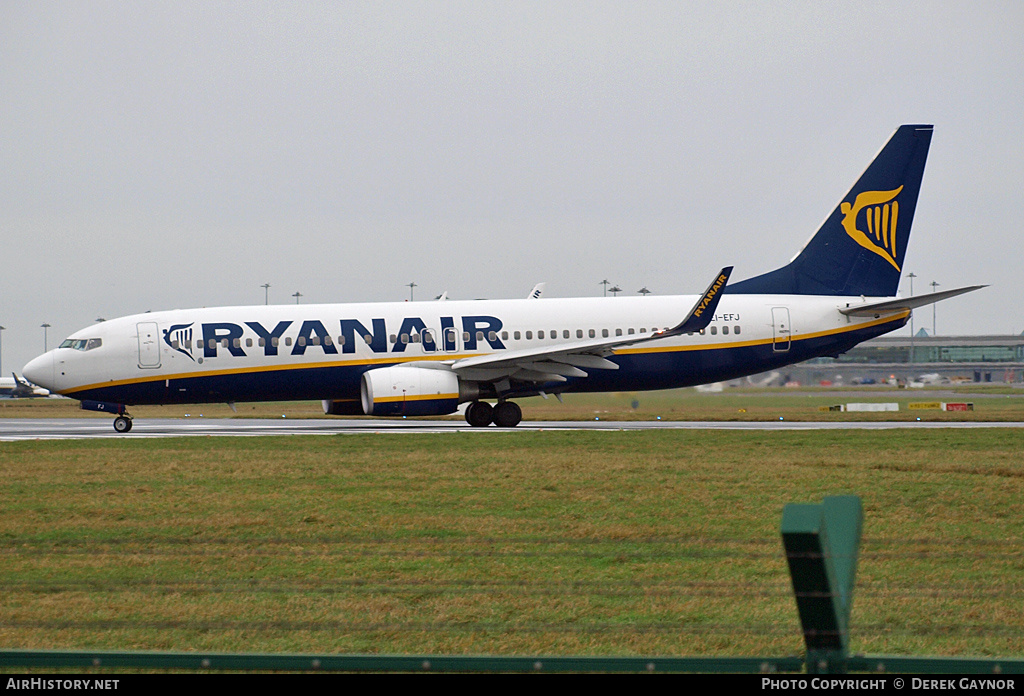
(79, 428)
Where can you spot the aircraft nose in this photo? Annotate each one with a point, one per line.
(40, 371)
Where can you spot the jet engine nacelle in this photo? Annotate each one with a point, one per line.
(409, 391)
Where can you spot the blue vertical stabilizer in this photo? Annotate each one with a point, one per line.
(860, 248)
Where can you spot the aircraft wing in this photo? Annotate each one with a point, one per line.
(904, 303)
(556, 363)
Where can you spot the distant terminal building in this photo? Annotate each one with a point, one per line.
(905, 358)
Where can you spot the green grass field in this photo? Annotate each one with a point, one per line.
(598, 543)
(991, 403)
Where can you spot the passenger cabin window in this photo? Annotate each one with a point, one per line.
(592, 333)
(565, 333)
(736, 329)
(516, 335)
(579, 333)
(288, 340)
(725, 330)
(540, 334)
(529, 335)
(714, 330)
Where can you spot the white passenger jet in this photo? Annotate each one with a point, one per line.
(426, 358)
(14, 387)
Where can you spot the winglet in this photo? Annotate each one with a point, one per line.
(704, 311)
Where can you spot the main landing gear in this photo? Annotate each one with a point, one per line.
(123, 423)
(505, 414)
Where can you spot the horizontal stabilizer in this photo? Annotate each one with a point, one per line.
(904, 303)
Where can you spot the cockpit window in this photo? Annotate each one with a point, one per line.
(82, 343)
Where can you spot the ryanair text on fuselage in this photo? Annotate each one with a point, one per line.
(312, 333)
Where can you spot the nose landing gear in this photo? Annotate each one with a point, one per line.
(123, 422)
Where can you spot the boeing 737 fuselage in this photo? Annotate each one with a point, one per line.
(426, 358)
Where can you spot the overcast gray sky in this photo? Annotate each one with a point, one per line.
(160, 155)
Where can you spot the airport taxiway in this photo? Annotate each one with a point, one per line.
(81, 428)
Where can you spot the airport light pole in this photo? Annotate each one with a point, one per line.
(410, 286)
(605, 283)
(911, 275)
(266, 293)
(2, 329)
(644, 291)
(934, 285)
(615, 290)
(44, 327)
(297, 295)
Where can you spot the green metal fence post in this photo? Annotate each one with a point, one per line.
(822, 543)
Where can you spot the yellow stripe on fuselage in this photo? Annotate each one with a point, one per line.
(417, 397)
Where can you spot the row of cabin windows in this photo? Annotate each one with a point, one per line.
(591, 333)
(605, 333)
(427, 338)
(237, 342)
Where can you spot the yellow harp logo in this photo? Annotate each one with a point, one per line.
(882, 211)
